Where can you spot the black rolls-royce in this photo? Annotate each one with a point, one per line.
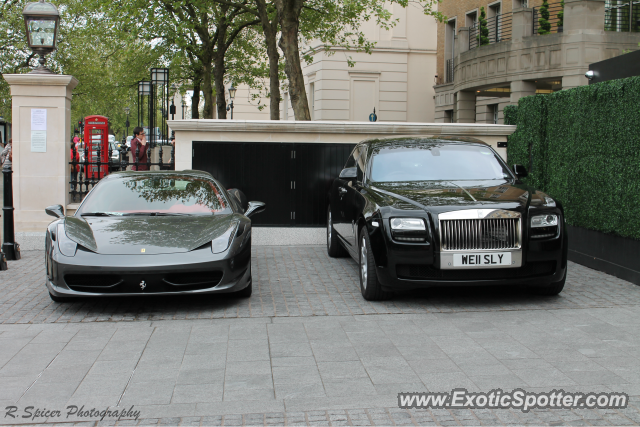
(418, 212)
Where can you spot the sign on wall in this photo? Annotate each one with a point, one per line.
(38, 130)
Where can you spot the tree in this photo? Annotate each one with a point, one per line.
(483, 29)
(544, 26)
(334, 23)
(205, 30)
(95, 49)
(561, 15)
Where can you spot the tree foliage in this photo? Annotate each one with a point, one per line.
(544, 26)
(483, 29)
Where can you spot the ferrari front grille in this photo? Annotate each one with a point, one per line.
(479, 234)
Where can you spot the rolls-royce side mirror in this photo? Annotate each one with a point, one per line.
(55, 210)
(349, 173)
(254, 208)
(520, 171)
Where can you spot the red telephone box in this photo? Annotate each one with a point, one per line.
(96, 143)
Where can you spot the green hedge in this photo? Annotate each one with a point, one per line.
(582, 146)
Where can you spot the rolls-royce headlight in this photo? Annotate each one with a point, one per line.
(67, 246)
(547, 220)
(408, 224)
(410, 230)
(221, 243)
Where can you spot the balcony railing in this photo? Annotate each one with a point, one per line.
(622, 16)
(554, 19)
(499, 28)
(449, 71)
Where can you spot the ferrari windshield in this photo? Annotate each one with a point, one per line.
(436, 162)
(162, 195)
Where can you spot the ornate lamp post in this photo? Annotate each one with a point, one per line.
(127, 110)
(172, 107)
(232, 95)
(41, 21)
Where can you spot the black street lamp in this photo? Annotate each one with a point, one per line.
(172, 107)
(232, 95)
(127, 110)
(41, 21)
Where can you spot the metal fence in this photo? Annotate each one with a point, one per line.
(554, 9)
(499, 28)
(87, 172)
(622, 16)
(449, 70)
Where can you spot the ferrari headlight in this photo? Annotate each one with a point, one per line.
(221, 243)
(67, 246)
(547, 220)
(408, 224)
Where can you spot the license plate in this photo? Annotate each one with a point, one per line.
(493, 259)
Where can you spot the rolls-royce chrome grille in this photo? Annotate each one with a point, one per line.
(490, 229)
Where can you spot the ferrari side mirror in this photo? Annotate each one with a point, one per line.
(55, 210)
(520, 171)
(254, 208)
(349, 173)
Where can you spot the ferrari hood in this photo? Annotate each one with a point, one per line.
(463, 194)
(146, 235)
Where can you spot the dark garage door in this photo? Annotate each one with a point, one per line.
(292, 179)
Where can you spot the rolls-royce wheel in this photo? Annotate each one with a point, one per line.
(334, 248)
(552, 289)
(369, 285)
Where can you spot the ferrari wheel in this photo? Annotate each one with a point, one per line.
(334, 248)
(369, 285)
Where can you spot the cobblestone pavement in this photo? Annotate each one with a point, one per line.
(295, 281)
(306, 349)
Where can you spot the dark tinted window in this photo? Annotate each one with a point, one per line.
(436, 162)
(351, 162)
(359, 156)
(179, 194)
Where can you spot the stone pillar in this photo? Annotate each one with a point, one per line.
(520, 89)
(521, 24)
(572, 81)
(462, 39)
(40, 174)
(466, 107)
(584, 16)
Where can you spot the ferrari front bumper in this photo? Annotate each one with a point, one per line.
(197, 272)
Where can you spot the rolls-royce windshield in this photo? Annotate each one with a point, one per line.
(437, 162)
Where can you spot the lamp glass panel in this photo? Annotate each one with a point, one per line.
(42, 32)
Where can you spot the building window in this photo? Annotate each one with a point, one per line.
(312, 100)
(471, 19)
(494, 110)
(448, 116)
(449, 45)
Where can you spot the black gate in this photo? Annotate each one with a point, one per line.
(292, 179)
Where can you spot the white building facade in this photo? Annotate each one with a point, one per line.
(396, 79)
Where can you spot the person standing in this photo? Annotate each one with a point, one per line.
(6, 157)
(139, 140)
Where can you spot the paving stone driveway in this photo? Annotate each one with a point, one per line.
(295, 281)
(306, 349)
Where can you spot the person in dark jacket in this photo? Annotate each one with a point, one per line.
(139, 140)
